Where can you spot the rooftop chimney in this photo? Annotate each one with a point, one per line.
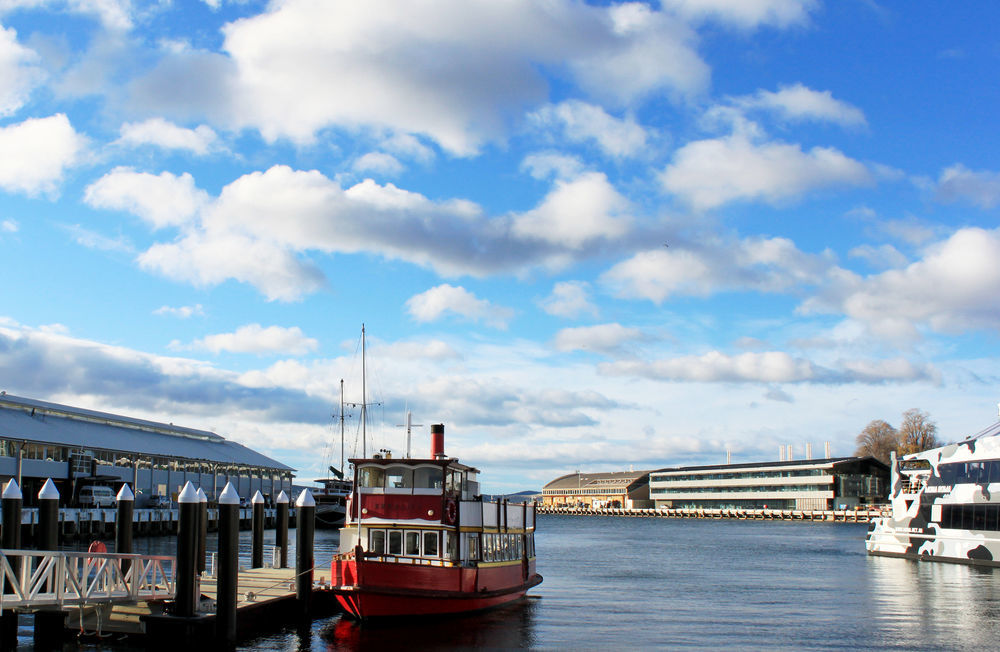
(437, 441)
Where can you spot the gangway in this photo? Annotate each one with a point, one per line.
(39, 578)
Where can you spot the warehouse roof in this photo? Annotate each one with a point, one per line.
(582, 480)
(51, 423)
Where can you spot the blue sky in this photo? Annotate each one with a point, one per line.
(582, 235)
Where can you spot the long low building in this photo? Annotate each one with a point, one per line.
(798, 484)
(77, 447)
(626, 489)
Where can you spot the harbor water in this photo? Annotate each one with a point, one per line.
(642, 583)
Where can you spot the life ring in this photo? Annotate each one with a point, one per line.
(450, 511)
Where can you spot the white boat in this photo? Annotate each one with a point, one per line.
(331, 502)
(945, 504)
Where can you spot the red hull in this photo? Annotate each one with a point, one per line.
(396, 589)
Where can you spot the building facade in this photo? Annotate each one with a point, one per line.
(76, 447)
(628, 489)
(834, 483)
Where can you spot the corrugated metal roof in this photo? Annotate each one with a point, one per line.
(51, 423)
(826, 462)
(581, 480)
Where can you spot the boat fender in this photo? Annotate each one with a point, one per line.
(450, 511)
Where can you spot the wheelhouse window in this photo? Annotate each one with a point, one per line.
(454, 481)
(376, 541)
(427, 477)
(399, 477)
(412, 544)
(372, 477)
(395, 542)
(431, 540)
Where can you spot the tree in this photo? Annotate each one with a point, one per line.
(878, 439)
(917, 432)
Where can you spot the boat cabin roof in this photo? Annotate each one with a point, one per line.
(448, 462)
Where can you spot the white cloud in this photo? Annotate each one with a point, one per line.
(378, 162)
(715, 265)
(436, 302)
(181, 312)
(709, 173)
(745, 13)
(582, 122)
(954, 288)
(575, 212)
(19, 72)
(603, 338)
(882, 257)
(544, 165)
(253, 338)
(35, 154)
(160, 132)
(981, 188)
(162, 201)
(9, 226)
(93, 240)
(569, 299)
(799, 103)
(113, 14)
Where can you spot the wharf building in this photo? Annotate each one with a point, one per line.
(619, 489)
(824, 484)
(78, 448)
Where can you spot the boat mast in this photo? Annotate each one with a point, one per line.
(342, 427)
(364, 397)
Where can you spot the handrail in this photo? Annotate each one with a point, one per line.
(42, 577)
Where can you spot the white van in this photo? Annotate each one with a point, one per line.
(96, 496)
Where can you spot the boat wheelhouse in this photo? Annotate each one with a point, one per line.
(945, 504)
(419, 539)
(331, 502)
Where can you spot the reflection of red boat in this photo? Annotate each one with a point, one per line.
(420, 540)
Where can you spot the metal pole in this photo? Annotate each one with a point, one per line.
(228, 564)
(305, 525)
(187, 526)
(257, 527)
(48, 516)
(281, 535)
(202, 529)
(123, 524)
(11, 501)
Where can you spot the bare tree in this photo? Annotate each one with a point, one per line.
(878, 439)
(917, 432)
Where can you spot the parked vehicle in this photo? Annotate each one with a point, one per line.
(93, 495)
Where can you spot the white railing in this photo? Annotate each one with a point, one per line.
(40, 577)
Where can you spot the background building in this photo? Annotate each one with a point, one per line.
(799, 484)
(628, 489)
(77, 447)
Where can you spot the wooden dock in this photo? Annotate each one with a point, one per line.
(833, 515)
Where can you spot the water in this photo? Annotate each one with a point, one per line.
(613, 583)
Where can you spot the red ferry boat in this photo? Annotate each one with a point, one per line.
(420, 540)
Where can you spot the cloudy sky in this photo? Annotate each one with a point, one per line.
(583, 235)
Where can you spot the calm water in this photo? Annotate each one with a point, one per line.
(613, 583)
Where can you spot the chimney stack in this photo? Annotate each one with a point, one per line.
(809, 451)
(826, 450)
(437, 441)
(789, 453)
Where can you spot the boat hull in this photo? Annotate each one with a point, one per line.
(382, 589)
(929, 542)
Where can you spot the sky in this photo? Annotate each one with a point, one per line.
(589, 236)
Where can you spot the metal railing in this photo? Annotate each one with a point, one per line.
(34, 578)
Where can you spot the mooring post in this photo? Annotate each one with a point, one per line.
(281, 534)
(227, 565)
(123, 526)
(305, 526)
(10, 501)
(48, 516)
(187, 533)
(202, 530)
(257, 527)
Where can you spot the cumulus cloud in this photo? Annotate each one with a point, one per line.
(378, 162)
(254, 338)
(19, 72)
(583, 122)
(710, 173)
(161, 200)
(768, 367)
(603, 338)
(114, 14)
(953, 288)
(569, 299)
(798, 103)
(545, 165)
(745, 14)
(182, 312)
(713, 265)
(161, 133)
(981, 188)
(35, 154)
(881, 257)
(438, 301)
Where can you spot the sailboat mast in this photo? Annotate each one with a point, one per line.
(364, 397)
(342, 426)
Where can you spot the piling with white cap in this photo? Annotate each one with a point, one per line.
(202, 531)
(257, 527)
(11, 501)
(281, 532)
(123, 526)
(187, 534)
(305, 530)
(48, 516)
(227, 565)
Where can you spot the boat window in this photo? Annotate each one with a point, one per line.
(399, 477)
(914, 465)
(451, 545)
(427, 478)
(454, 480)
(395, 542)
(376, 541)
(520, 546)
(412, 543)
(473, 548)
(372, 476)
(982, 472)
(430, 544)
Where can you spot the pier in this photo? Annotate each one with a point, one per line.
(832, 515)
